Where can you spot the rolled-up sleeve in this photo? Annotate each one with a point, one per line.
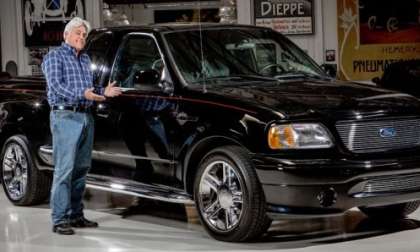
(52, 67)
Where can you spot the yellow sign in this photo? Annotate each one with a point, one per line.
(375, 33)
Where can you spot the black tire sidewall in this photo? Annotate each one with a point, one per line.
(23, 143)
(244, 169)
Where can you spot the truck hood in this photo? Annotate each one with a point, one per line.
(321, 96)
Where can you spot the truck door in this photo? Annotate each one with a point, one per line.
(133, 131)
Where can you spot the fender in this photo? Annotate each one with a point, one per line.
(28, 117)
(199, 150)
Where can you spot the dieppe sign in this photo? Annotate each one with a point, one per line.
(285, 16)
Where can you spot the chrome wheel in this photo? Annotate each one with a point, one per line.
(220, 196)
(15, 171)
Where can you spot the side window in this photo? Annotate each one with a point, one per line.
(97, 50)
(137, 54)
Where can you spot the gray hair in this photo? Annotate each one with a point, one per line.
(76, 22)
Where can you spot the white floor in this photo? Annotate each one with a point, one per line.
(165, 227)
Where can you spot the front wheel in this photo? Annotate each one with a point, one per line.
(23, 183)
(396, 211)
(229, 197)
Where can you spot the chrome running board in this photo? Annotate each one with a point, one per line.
(123, 186)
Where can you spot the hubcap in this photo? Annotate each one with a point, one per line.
(220, 196)
(15, 171)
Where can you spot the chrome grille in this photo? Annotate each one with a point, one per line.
(365, 136)
(392, 184)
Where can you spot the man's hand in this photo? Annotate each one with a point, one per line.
(90, 95)
(111, 90)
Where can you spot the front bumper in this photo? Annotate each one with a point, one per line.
(316, 187)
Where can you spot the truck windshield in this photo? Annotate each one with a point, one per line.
(224, 54)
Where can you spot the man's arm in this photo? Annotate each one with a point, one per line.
(110, 91)
(53, 70)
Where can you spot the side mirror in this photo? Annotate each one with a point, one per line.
(146, 77)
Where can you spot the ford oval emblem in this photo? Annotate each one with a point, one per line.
(387, 132)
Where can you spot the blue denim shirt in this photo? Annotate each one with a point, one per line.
(68, 76)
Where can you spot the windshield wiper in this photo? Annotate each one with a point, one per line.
(257, 77)
(299, 74)
(239, 77)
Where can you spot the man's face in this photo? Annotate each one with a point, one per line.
(77, 37)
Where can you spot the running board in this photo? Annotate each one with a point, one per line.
(123, 186)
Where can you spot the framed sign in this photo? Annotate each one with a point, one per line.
(372, 34)
(285, 16)
(44, 20)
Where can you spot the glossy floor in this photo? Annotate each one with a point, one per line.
(129, 224)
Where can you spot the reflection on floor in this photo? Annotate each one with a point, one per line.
(132, 224)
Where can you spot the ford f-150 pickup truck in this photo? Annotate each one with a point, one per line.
(236, 119)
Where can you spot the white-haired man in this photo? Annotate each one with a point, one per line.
(70, 95)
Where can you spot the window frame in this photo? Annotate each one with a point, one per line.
(120, 49)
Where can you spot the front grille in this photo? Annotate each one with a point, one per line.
(392, 184)
(369, 136)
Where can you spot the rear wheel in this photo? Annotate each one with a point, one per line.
(23, 183)
(396, 211)
(229, 197)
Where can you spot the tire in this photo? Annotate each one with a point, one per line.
(23, 183)
(226, 182)
(397, 211)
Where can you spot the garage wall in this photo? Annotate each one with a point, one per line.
(12, 39)
(140, 14)
(9, 36)
(325, 36)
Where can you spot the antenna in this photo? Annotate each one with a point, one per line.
(203, 73)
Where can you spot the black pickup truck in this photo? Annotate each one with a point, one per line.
(236, 119)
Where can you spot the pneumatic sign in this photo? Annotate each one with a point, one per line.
(285, 16)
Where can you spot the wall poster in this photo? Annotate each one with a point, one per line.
(44, 20)
(285, 16)
(375, 33)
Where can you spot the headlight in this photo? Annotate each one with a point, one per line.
(299, 136)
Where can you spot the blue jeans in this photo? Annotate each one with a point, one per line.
(72, 134)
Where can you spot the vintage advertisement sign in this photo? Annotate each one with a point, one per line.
(375, 33)
(44, 20)
(285, 16)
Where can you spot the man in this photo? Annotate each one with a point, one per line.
(70, 95)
